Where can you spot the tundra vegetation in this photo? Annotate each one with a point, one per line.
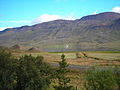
(33, 73)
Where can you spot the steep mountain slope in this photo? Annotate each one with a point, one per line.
(93, 32)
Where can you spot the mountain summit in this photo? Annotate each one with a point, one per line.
(93, 32)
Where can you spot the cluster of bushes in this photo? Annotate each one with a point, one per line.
(31, 73)
(25, 73)
(103, 79)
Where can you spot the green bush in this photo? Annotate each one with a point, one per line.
(98, 79)
(117, 76)
(7, 71)
(26, 73)
(32, 73)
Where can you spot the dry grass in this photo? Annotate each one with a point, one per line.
(77, 79)
(99, 58)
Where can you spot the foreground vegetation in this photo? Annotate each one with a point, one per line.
(33, 73)
(26, 73)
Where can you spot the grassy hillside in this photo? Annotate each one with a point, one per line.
(90, 33)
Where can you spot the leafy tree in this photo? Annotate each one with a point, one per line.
(61, 73)
(32, 73)
(7, 71)
(26, 73)
(98, 79)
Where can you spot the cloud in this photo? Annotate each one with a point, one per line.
(3, 28)
(40, 19)
(15, 21)
(116, 9)
(94, 13)
(47, 17)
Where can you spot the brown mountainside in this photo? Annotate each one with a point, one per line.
(93, 32)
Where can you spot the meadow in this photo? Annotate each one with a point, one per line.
(98, 58)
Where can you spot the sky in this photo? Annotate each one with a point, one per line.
(16, 13)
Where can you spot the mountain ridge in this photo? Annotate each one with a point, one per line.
(93, 32)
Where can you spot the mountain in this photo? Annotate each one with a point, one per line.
(93, 32)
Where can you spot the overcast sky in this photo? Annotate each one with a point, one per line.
(15, 13)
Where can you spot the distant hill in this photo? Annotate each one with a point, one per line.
(93, 32)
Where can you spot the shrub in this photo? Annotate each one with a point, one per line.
(7, 71)
(32, 73)
(98, 79)
(77, 55)
(117, 76)
(26, 73)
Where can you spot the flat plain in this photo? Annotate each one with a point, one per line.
(98, 58)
